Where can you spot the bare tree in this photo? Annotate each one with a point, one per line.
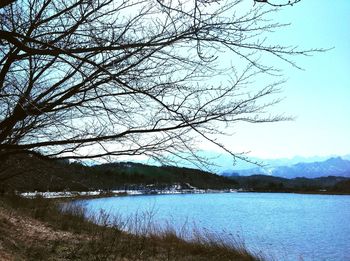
(86, 79)
(278, 3)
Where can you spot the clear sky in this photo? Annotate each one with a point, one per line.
(318, 96)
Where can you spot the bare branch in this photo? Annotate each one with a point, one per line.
(289, 2)
(86, 79)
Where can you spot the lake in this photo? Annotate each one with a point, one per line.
(281, 226)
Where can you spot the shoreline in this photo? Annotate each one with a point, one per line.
(116, 193)
(36, 229)
(121, 193)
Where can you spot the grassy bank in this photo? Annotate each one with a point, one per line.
(35, 229)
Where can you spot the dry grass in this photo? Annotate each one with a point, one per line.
(36, 229)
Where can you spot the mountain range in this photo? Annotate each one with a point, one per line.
(335, 166)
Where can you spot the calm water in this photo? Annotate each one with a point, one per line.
(281, 226)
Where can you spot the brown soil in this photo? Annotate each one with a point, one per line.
(19, 234)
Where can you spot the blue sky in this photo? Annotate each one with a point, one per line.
(318, 96)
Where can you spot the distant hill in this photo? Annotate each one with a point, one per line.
(26, 173)
(335, 166)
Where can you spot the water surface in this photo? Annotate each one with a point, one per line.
(281, 226)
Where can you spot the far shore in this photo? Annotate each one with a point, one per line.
(116, 193)
(112, 193)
